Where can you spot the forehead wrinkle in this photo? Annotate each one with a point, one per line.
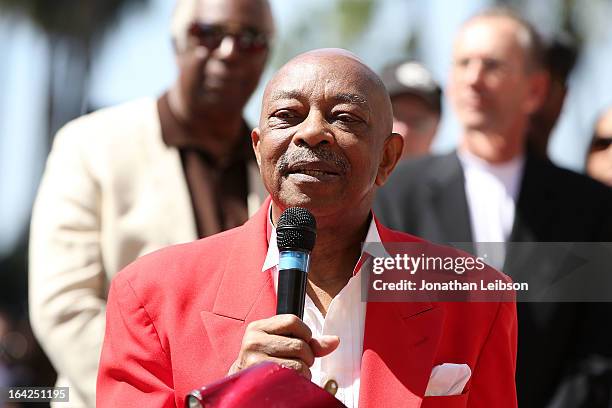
(277, 95)
(344, 97)
(351, 98)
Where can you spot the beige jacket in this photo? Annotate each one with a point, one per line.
(111, 191)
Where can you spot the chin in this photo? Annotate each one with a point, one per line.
(303, 200)
(480, 126)
(473, 122)
(472, 118)
(318, 205)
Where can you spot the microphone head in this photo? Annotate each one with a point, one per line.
(296, 230)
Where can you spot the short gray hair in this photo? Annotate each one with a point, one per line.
(182, 17)
(528, 37)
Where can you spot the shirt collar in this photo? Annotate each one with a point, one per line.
(509, 174)
(470, 160)
(176, 135)
(372, 245)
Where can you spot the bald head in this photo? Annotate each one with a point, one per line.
(341, 66)
(324, 139)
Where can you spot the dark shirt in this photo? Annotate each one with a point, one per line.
(218, 187)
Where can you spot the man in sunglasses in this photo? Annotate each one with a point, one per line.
(599, 157)
(127, 180)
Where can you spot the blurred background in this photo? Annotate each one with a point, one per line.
(62, 58)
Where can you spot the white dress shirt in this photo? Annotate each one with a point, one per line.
(491, 191)
(345, 318)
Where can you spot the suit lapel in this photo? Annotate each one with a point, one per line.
(449, 202)
(536, 208)
(245, 293)
(399, 345)
(535, 212)
(168, 176)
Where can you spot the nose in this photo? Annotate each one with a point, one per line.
(314, 131)
(473, 72)
(228, 49)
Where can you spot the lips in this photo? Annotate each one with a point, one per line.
(313, 172)
(313, 168)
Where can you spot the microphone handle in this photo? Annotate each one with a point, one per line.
(291, 292)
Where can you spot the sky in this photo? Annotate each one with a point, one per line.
(137, 61)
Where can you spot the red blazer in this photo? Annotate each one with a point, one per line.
(175, 321)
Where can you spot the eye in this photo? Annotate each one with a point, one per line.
(346, 117)
(283, 118)
(285, 114)
(492, 64)
(462, 62)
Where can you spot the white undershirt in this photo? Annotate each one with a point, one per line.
(345, 318)
(491, 191)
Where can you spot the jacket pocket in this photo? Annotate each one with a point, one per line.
(451, 401)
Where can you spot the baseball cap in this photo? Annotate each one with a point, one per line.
(411, 77)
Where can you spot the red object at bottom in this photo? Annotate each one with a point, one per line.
(263, 385)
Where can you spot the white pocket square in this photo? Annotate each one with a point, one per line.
(448, 379)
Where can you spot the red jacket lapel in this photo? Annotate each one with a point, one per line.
(245, 293)
(399, 346)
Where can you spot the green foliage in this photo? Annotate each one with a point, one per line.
(352, 17)
(337, 23)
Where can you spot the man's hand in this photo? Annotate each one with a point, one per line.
(285, 340)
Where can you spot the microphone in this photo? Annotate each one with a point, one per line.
(295, 235)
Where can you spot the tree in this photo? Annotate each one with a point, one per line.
(340, 23)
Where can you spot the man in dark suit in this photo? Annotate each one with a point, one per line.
(492, 190)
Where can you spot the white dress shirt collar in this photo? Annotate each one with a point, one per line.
(508, 174)
(345, 318)
(491, 192)
(372, 245)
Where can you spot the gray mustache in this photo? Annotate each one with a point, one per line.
(318, 153)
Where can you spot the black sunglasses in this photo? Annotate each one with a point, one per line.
(601, 142)
(211, 36)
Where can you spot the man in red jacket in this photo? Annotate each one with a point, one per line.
(190, 314)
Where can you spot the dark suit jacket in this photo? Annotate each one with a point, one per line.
(426, 197)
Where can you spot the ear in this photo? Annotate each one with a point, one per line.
(255, 139)
(538, 90)
(391, 154)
